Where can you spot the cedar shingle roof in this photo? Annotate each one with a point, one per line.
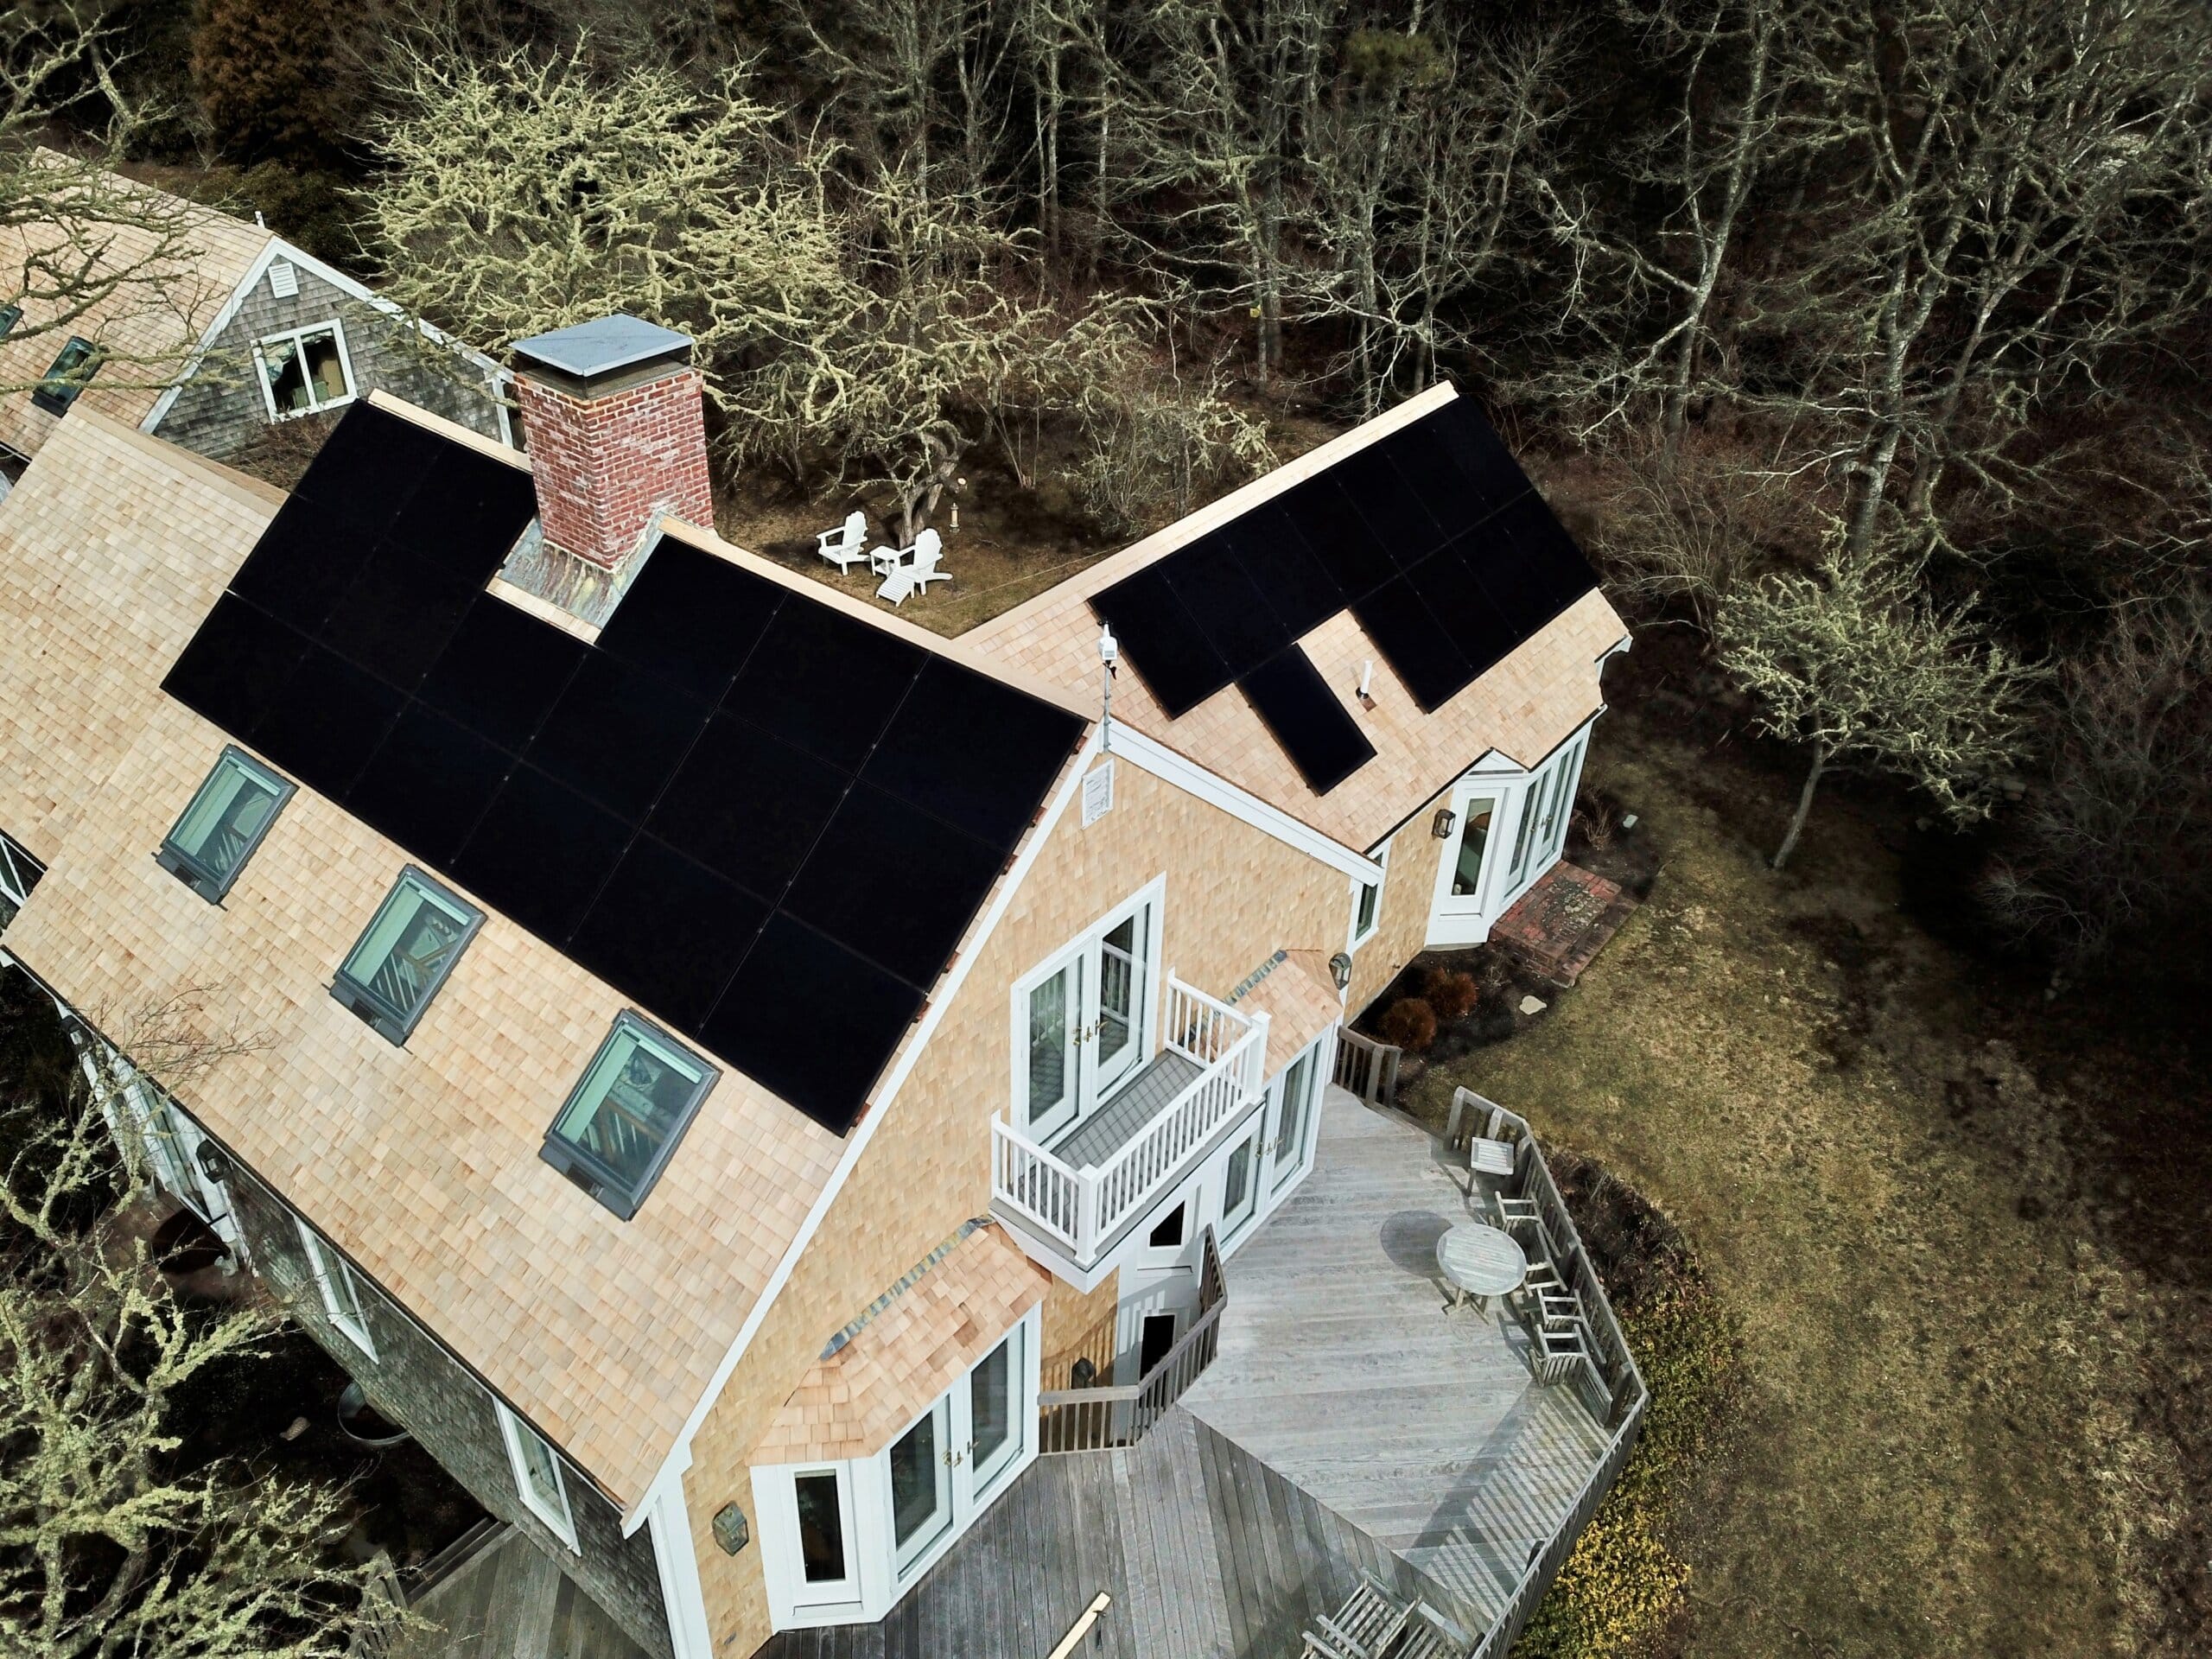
(152, 322)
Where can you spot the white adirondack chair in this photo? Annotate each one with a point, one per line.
(846, 545)
(928, 551)
(928, 548)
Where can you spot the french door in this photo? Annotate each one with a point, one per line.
(950, 1462)
(1290, 1139)
(1460, 914)
(1084, 1020)
(1546, 809)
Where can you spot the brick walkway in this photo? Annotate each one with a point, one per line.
(1560, 923)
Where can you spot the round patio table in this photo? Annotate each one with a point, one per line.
(1480, 1260)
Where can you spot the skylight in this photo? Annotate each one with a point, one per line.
(418, 934)
(620, 1126)
(224, 823)
(76, 363)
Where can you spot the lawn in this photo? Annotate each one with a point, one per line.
(1948, 1436)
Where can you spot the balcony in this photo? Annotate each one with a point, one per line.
(1083, 1193)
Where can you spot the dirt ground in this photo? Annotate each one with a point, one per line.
(1976, 1357)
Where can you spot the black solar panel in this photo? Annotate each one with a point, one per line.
(1307, 720)
(1180, 662)
(691, 621)
(1431, 535)
(765, 821)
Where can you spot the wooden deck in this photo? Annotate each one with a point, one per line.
(511, 1602)
(1206, 1553)
(1340, 1368)
(1349, 1424)
(1114, 1125)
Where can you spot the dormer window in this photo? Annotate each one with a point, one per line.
(305, 370)
(418, 934)
(621, 1125)
(77, 363)
(224, 823)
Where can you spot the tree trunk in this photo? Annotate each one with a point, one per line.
(1804, 805)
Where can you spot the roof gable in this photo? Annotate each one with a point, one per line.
(767, 820)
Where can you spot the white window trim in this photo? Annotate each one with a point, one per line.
(561, 1522)
(877, 1584)
(325, 1266)
(1353, 938)
(337, 327)
(1152, 896)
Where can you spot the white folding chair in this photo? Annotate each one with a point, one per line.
(846, 545)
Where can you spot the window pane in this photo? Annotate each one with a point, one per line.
(1474, 837)
(1237, 1184)
(990, 1396)
(225, 819)
(288, 380)
(1370, 896)
(1169, 1233)
(65, 378)
(326, 371)
(9, 316)
(1048, 1043)
(1120, 954)
(542, 1470)
(345, 1293)
(409, 947)
(635, 1097)
(916, 1495)
(821, 1529)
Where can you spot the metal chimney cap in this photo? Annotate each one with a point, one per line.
(606, 346)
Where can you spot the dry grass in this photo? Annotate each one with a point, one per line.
(1940, 1445)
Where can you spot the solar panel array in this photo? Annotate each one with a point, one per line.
(765, 821)
(1431, 535)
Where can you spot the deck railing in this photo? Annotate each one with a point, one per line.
(1612, 1386)
(1366, 1068)
(1082, 1210)
(1091, 1419)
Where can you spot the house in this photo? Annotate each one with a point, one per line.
(210, 334)
(797, 1114)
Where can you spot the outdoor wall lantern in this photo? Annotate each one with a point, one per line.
(1446, 821)
(212, 1164)
(1340, 970)
(731, 1531)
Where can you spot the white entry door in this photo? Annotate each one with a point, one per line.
(1462, 910)
(1082, 1019)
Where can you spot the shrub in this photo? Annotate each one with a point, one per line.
(1410, 1023)
(1452, 993)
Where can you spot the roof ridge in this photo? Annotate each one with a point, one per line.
(1134, 557)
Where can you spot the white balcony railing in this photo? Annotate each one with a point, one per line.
(1083, 1209)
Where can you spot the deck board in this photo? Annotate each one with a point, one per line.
(511, 1601)
(1115, 1124)
(1341, 1370)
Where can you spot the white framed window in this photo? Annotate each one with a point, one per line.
(537, 1469)
(1083, 1020)
(341, 1291)
(305, 370)
(1367, 903)
(842, 1541)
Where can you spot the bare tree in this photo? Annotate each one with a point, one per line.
(521, 194)
(113, 1544)
(1857, 665)
(1425, 169)
(1206, 103)
(1735, 70)
(85, 252)
(2116, 837)
(2026, 194)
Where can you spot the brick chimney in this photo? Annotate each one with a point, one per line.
(612, 413)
